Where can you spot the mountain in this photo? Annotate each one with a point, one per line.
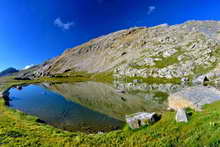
(182, 52)
(8, 71)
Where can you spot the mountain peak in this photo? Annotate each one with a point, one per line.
(8, 71)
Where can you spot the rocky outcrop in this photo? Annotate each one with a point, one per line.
(140, 119)
(183, 51)
(211, 76)
(28, 74)
(192, 97)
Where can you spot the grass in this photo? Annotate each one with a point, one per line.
(160, 96)
(105, 77)
(19, 129)
(152, 80)
(166, 61)
(203, 129)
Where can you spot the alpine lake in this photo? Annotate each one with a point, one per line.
(90, 107)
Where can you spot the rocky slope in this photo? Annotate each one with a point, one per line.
(182, 51)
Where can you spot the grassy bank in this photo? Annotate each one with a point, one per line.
(19, 129)
(7, 82)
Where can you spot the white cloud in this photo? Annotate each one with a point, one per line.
(65, 26)
(28, 66)
(151, 9)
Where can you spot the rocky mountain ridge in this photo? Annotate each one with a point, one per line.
(183, 52)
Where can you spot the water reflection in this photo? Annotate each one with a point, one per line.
(106, 99)
(89, 106)
(54, 109)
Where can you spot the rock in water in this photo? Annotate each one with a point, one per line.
(4, 94)
(193, 97)
(181, 116)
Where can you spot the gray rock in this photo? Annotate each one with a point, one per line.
(181, 116)
(4, 93)
(200, 79)
(185, 80)
(140, 119)
(193, 97)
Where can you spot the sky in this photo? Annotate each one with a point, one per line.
(33, 31)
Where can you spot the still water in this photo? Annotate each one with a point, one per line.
(86, 106)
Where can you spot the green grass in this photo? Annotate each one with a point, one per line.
(203, 128)
(166, 61)
(105, 77)
(152, 80)
(160, 96)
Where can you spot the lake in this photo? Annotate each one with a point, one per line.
(89, 107)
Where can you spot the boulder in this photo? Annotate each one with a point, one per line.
(193, 97)
(201, 79)
(140, 119)
(181, 116)
(4, 93)
(19, 87)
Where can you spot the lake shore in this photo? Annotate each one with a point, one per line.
(17, 128)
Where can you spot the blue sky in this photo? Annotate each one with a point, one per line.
(33, 31)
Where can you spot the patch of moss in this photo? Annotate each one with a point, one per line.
(169, 60)
(160, 96)
(152, 80)
(139, 66)
(105, 77)
(164, 62)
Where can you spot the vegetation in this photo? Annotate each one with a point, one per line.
(19, 129)
(169, 60)
(105, 77)
(152, 80)
(203, 129)
(199, 70)
(164, 62)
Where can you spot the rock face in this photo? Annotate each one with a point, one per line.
(178, 51)
(193, 97)
(139, 119)
(213, 74)
(28, 74)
